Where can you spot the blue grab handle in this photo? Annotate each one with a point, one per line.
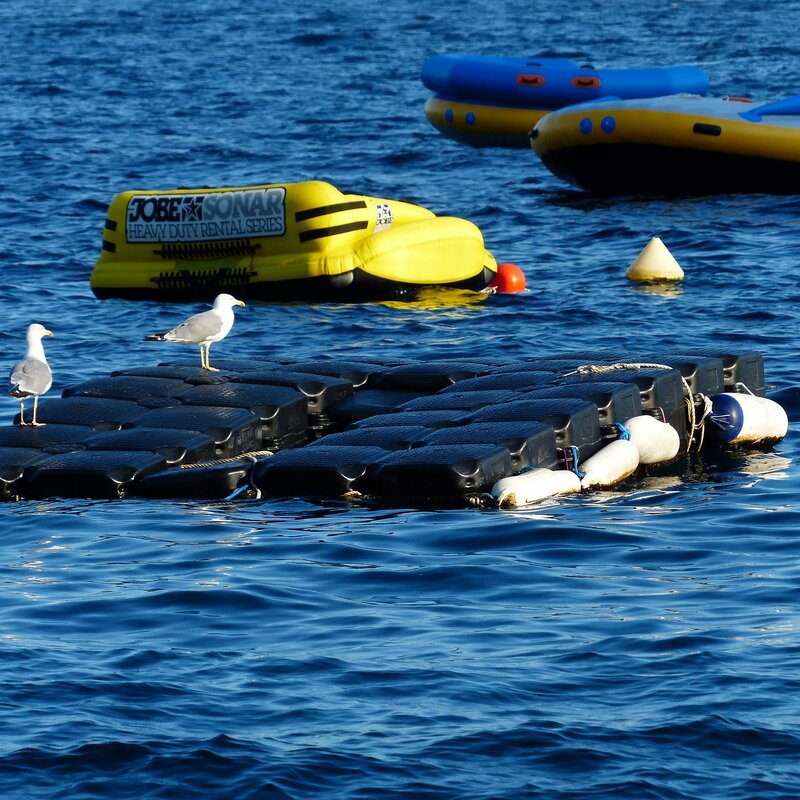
(788, 106)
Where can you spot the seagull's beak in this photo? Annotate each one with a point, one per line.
(240, 302)
(48, 333)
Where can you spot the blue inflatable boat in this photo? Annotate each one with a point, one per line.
(494, 101)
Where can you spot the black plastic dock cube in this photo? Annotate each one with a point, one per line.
(13, 462)
(95, 474)
(444, 418)
(320, 391)
(97, 413)
(703, 374)
(530, 444)
(129, 387)
(429, 377)
(206, 482)
(234, 430)
(43, 437)
(518, 379)
(357, 373)
(315, 470)
(367, 403)
(174, 446)
(661, 393)
(182, 372)
(463, 401)
(616, 402)
(576, 422)
(283, 411)
(387, 437)
(439, 472)
(745, 368)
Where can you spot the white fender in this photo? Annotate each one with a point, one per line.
(656, 441)
(747, 419)
(615, 462)
(530, 487)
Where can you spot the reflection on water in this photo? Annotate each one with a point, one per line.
(769, 465)
(437, 298)
(667, 289)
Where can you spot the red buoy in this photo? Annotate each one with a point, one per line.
(509, 278)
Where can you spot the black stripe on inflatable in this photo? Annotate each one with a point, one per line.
(708, 130)
(319, 233)
(111, 224)
(310, 213)
(110, 246)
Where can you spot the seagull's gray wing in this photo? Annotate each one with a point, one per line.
(199, 328)
(30, 377)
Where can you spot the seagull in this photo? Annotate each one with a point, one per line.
(31, 377)
(203, 329)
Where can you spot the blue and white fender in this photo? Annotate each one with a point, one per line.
(747, 419)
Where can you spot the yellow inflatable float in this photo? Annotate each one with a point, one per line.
(306, 241)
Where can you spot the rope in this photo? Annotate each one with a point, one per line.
(702, 423)
(694, 425)
(575, 458)
(624, 433)
(253, 455)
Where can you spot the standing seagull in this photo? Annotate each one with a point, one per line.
(31, 376)
(203, 329)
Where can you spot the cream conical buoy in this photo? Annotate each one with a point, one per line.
(655, 263)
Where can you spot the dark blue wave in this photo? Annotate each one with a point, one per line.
(637, 643)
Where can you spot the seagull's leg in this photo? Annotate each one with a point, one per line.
(208, 363)
(35, 403)
(22, 413)
(202, 358)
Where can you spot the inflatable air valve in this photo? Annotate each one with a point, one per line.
(747, 419)
(656, 441)
(655, 263)
(610, 465)
(537, 484)
(509, 278)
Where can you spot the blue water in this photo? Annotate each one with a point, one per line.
(633, 644)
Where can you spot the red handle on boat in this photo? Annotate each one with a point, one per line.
(586, 83)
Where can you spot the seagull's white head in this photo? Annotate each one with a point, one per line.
(37, 331)
(227, 301)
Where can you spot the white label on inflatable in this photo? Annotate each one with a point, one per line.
(206, 216)
(385, 217)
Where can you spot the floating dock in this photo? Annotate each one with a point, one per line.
(438, 432)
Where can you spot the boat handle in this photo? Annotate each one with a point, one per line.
(705, 128)
(530, 80)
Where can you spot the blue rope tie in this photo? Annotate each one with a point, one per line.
(575, 459)
(624, 433)
(237, 492)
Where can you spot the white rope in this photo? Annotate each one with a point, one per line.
(694, 425)
(253, 455)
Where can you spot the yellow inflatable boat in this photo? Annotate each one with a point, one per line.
(680, 144)
(305, 241)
